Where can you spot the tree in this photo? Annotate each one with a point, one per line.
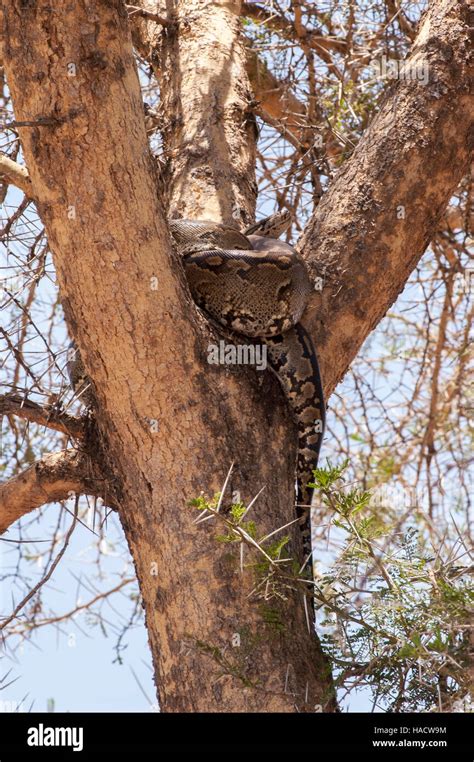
(165, 428)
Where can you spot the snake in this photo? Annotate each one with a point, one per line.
(257, 286)
(254, 285)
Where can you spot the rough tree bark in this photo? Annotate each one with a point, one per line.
(55, 477)
(95, 191)
(145, 350)
(379, 215)
(208, 123)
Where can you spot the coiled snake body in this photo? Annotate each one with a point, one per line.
(257, 286)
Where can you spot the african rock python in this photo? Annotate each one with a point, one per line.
(257, 286)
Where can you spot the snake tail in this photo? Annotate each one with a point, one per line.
(293, 359)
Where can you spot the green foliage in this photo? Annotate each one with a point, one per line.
(396, 615)
(202, 503)
(274, 570)
(236, 516)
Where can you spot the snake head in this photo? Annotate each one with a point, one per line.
(273, 226)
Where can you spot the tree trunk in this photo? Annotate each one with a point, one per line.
(209, 129)
(170, 425)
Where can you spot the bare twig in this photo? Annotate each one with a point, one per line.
(22, 407)
(53, 478)
(15, 174)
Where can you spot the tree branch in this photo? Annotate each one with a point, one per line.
(277, 105)
(23, 626)
(53, 478)
(393, 7)
(382, 210)
(212, 174)
(14, 174)
(13, 404)
(316, 41)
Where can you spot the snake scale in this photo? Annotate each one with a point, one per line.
(257, 286)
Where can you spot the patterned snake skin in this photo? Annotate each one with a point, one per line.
(257, 286)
